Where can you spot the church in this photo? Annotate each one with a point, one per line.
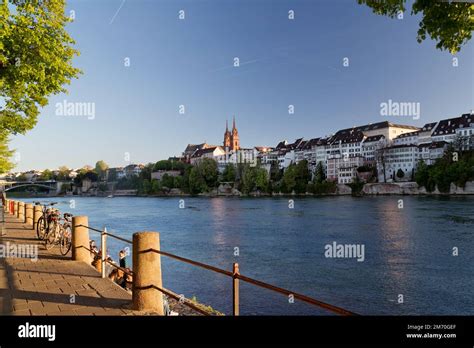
(231, 139)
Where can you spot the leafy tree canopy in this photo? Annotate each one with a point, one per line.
(450, 24)
(35, 59)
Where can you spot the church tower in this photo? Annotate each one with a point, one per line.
(227, 137)
(235, 137)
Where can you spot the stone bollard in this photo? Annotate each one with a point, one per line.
(15, 212)
(21, 211)
(29, 214)
(146, 273)
(80, 239)
(37, 213)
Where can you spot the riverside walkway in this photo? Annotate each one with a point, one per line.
(53, 284)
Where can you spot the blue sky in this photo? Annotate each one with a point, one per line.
(190, 62)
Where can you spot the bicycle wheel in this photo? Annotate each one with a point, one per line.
(41, 228)
(66, 240)
(53, 235)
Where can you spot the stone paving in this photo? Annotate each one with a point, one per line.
(54, 284)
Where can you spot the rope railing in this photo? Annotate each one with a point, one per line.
(235, 275)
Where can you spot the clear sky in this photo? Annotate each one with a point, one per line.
(189, 62)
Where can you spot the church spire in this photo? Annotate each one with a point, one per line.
(233, 123)
(226, 125)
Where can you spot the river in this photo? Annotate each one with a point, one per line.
(408, 250)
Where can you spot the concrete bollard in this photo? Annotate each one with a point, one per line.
(80, 239)
(29, 214)
(21, 211)
(146, 273)
(15, 212)
(37, 213)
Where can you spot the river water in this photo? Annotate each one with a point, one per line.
(408, 251)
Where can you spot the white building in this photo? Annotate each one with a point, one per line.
(215, 153)
(394, 158)
(344, 169)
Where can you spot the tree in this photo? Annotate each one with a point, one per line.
(36, 56)
(261, 179)
(167, 181)
(196, 182)
(450, 24)
(229, 173)
(35, 59)
(319, 175)
(91, 175)
(5, 155)
(101, 169)
(46, 175)
(162, 165)
(112, 175)
(63, 174)
(400, 173)
(208, 170)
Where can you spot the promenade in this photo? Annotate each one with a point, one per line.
(54, 284)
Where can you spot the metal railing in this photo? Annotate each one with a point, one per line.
(234, 274)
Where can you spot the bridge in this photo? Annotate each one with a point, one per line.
(50, 185)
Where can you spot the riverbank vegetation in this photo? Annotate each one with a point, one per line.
(204, 177)
(455, 167)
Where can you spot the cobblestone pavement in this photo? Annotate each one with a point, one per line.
(54, 284)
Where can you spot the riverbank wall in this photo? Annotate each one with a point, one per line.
(412, 188)
(371, 189)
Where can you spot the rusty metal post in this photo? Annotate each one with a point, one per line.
(103, 250)
(235, 289)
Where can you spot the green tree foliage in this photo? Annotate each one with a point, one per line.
(36, 56)
(296, 178)
(197, 184)
(276, 173)
(63, 174)
(323, 188)
(167, 181)
(145, 174)
(101, 169)
(35, 62)
(319, 175)
(400, 173)
(229, 173)
(254, 179)
(446, 171)
(112, 175)
(202, 177)
(450, 24)
(5, 154)
(46, 175)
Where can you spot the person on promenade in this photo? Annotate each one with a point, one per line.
(122, 259)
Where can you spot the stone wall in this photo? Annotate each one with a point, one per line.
(412, 188)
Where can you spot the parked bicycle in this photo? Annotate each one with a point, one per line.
(44, 222)
(65, 239)
(60, 232)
